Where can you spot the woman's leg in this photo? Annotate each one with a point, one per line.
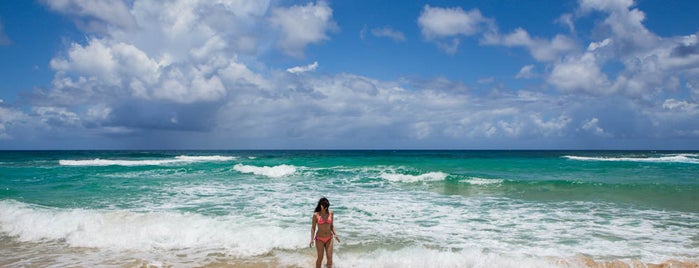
(329, 252)
(320, 246)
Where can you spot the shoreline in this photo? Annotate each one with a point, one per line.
(589, 262)
(575, 262)
(19, 257)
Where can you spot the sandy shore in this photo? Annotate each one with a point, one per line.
(585, 261)
(575, 262)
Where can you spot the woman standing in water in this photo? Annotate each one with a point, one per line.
(323, 218)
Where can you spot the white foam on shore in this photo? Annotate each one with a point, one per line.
(272, 172)
(674, 158)
(419, 257)
(515, 227)
(422, 230)
(182, 159)
(125, 230)
(426, 177)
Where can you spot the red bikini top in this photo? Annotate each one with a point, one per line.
(322, 221)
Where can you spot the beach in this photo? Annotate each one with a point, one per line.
(392, 208)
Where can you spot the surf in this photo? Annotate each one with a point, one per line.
(267, 171)
(668, 158)
(143, 231)
(182, 159)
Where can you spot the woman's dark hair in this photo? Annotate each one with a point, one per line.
(323, 201)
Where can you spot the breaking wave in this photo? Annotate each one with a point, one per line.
(670, 158)
(182, 159)
(272, 172)
(431, 176)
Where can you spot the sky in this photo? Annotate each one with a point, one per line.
(361, 74)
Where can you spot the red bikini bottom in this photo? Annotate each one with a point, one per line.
(324, 239)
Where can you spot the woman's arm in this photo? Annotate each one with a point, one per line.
(332, 229)
(313, 228)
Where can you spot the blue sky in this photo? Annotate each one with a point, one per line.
(233, 74)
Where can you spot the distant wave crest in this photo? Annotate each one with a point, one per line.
(670, 158)
(431, 176)
(482, 181)
(146, 162)
(272, 172)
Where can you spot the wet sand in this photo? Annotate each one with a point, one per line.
(586, 261)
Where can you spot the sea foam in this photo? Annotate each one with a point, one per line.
(482, 181)
(144, 231)
(272, 172)
(431, 176)
(422, 257)
(673, 158)
(182, 159)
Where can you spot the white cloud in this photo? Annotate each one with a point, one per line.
(567, 20)
(511, 129)
(650, 71)
(624, 22)
(303, 25)
(9, 119)
(693, 87)
(94, 59)
(172, 72)
(651, 64)
(387, 31)
(421, 130)
(193, 65)
(188, 85)
(303, 69)
(57, 116)
(185, 30)
(346, 107)
(449, 47)
(607, 5)
(592, 126)
(179, 54)
(580, 73)
(238, 74)
(526, 72)
(553, 127)
(246, 9)
(97, 15)
(436, 22)
(486, 80)
(540, 49)
(98, 113)
(107, 62)
(681, 106)
(212, 45)
(598, 45)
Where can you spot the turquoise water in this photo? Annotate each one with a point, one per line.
(393, 208)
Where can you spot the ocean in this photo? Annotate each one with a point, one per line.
(392, 208)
